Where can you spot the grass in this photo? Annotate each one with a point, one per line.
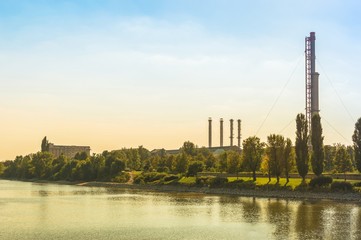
(187, 180)
(293, 182)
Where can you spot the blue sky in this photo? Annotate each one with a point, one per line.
(114, 74)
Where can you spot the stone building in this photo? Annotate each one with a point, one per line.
(68, 151)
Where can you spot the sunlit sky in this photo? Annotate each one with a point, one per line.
(113, 74)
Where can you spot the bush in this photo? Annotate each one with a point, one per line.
(341, 186)
(218, 182)
(250, 184)
(139, 179)
(321, 181)
(171, 178)
(204, 181)
(357, 184)
(302, 187)
(122, 178)
(153, 176)
(194, 168)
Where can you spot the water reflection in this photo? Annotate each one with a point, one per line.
(71, 212)
(251, 210)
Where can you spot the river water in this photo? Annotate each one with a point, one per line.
(50, 211)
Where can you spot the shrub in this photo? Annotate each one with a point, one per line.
(357, 184)
(204, 181)
(122, 178)
(302, 187)
(218, 181)
(153, 176)
(194, 168)
(171, 178)
(139, 179)
(341, 186)
(250, 184)
(320, 181)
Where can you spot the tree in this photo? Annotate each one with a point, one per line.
(275, 152)
(42, 164)
(210, 163)
(189, 148)
(301, 146)
(233, 162)
(81, 156)
(288, 158)
(222, 162)
(329, 157)
(265, 166)
(116, 167)
(356, 138)
(252, 154)
(317, 157)
(45, 145)
(342, 160)
(1, 168)
(194, 168)
(182, 161)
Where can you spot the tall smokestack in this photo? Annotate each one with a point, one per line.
(210, 132)
(231, 131)
(239, 132)
(221, 133)
(312, 91)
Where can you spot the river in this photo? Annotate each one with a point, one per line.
(51, 211)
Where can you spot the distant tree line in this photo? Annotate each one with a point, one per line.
(276, 158)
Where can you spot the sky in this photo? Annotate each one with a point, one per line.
(112, 74)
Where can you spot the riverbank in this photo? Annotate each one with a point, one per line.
(259, 193)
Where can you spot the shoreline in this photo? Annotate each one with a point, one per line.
(277, 194)
(349, 197)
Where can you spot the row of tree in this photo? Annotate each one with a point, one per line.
(277, 157)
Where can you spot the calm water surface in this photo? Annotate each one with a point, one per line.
(49, 211)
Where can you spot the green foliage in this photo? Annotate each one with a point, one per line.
(275, 152)
(317, 157)
(171, 177)
(341, 186)
(233, 162)
(320, 181)
(41, 165)
(342, 160)
(139, 179)
(194, 168)
(189, 148)
(81, 156)
(329, 152)
(116, 167)
(241, 184)
(301, 146)
(252, 154)
(222, 162)
(182, 161)
(2, 167)
(217, 182)
(356, 138)
(152, 176)
(121, 178)
(204, 180)
(288, 158)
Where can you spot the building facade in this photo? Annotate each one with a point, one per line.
(68, 151)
